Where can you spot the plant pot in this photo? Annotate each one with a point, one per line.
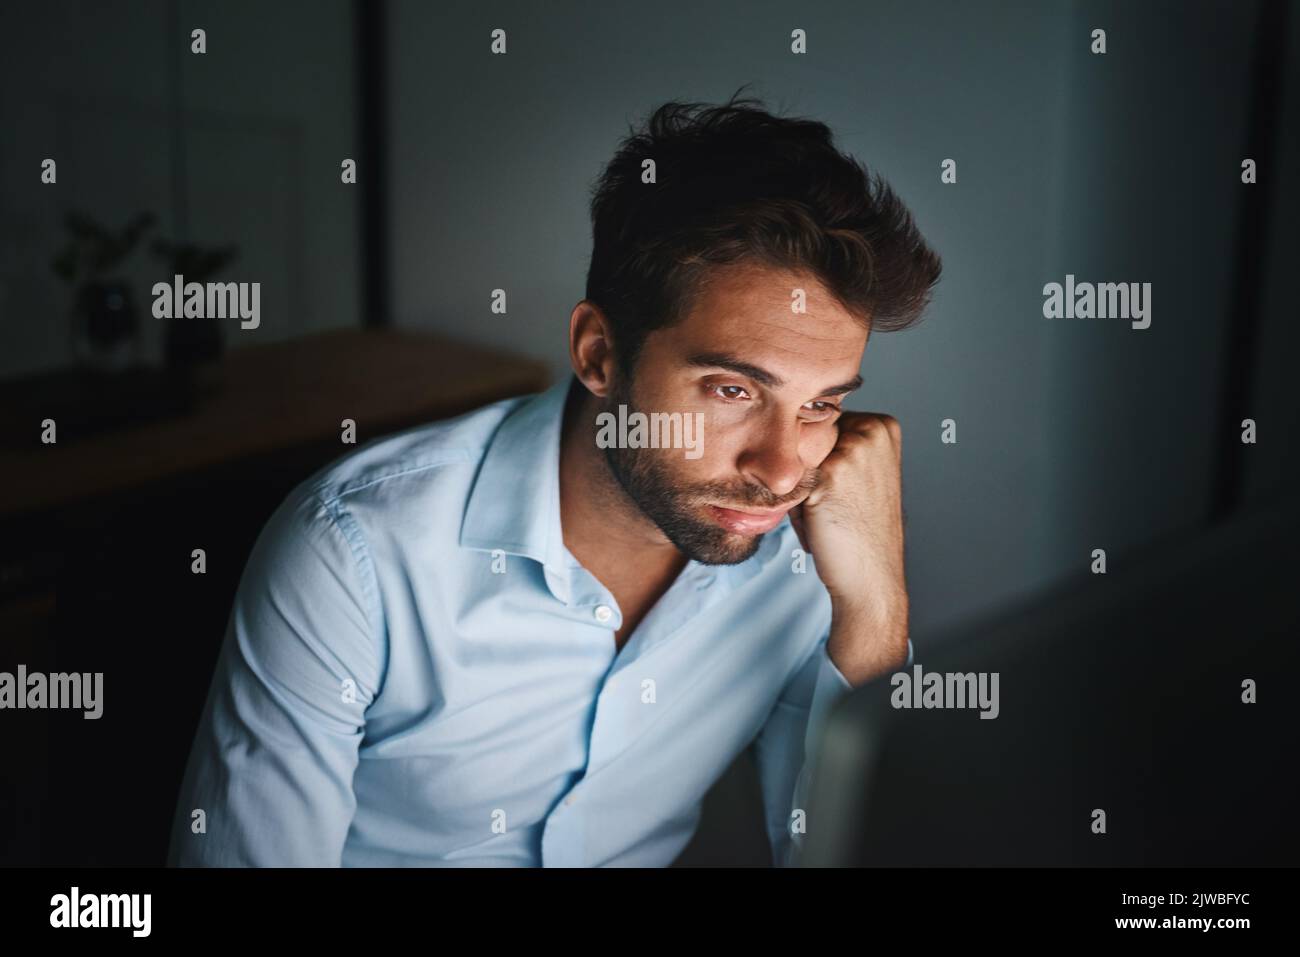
(105, 326)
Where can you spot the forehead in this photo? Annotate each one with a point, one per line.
(747, 311)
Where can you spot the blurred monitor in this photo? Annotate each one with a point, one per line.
(1121, 692)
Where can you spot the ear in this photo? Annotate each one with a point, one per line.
(591, 348)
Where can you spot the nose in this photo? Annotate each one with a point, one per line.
(773, 459)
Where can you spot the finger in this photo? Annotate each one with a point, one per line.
(869, 423)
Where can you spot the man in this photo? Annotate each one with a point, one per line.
(527, 637)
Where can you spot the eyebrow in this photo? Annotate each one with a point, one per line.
(723, 360)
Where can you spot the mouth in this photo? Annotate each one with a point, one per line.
(748, 521)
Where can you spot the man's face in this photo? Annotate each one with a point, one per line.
(768, 382)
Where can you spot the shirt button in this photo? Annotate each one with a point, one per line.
(604, 613)
(569, 799)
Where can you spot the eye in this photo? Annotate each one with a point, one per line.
(821, 410)
(719, 391)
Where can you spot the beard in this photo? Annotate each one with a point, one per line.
(677, 507)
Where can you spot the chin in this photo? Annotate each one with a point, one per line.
(727, 548)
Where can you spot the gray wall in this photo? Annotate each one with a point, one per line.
(1120, 167)
(1150, 191)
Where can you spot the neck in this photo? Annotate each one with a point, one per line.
(602, 526)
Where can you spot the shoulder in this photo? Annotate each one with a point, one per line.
(324, 545)
(409, 458)
(406, 484)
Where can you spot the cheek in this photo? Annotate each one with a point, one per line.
(710, 461)
(719, 431)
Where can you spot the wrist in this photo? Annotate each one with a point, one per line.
(868, 638)
(887, 612)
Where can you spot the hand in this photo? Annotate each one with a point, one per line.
(852, 525)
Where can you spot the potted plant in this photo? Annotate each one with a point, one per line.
(105, 324)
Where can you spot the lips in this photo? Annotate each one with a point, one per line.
(748, 523)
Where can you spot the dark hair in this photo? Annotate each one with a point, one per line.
(735, 183)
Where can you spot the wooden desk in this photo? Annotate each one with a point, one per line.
(263, 399)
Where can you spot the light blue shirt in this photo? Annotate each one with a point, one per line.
(417, 672)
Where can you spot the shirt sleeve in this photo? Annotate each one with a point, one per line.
(271, 766)
(787, 744)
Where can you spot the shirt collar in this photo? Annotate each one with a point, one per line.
(515, 502)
